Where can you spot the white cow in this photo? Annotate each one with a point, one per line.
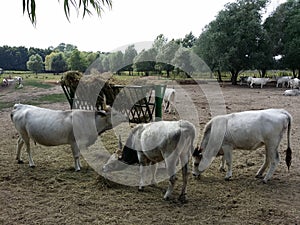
(154, 142)
(257, 81)
(283, 81)
(169, 100)
(294, 83)
(247, 130)
(291, 92)
(77, 128)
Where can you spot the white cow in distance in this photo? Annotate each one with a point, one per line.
(246, 130)
(291, 92)
(283, 81)
(294, 83)
(257, 81)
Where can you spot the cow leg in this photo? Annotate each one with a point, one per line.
(266, 163)
(182, 196)
(274, 160)
(167, 103)
(153, 172)
(20, 144)
(76, 155)
(144, 162)
(143, 172)
(222, 164)
(228, 158)
(171, 169)
(27, 143)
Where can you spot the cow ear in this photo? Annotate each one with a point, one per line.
(196, 151)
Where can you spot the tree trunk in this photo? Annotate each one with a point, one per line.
(168, 73)
(234, 75)
(219, 76)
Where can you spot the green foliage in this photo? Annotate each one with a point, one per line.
(231, 42)
(35, 63)
(29, 6)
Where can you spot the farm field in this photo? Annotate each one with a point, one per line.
(52, 193)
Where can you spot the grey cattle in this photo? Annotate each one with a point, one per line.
(148, 144)
(247, 130)
(78, 128)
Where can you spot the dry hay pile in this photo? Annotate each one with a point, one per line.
(88, 90)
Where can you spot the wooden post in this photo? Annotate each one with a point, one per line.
(159, 94)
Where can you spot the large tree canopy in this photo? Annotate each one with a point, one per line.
(233, 41)
(29, 6)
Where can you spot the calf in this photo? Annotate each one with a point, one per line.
(247, 130)
(151, 143)
(78, 128)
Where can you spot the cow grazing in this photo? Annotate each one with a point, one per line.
(283, 81)
(78, 128)
(294, 83)
(247, 130)
(257, 81)
(148, 144)
(169, 100)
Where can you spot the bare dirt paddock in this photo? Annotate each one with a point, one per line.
(52, 193)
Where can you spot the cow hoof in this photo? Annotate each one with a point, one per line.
(197, 177)
(32, 166)
(264, 181)
(222, 170)
(20, 161)
(227, 178)
(259, 176)
(141, 189)
(183, 199)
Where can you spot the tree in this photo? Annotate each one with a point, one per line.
(145, 61)
(56, 62)
(77, 61)
(129, 54)
(235, 36)
(116, 61)
(182, 61)
(189, 40)
(165, 56)
(35, 63)
(29, 6)
(284, 32)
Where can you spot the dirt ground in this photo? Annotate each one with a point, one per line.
(52, 193)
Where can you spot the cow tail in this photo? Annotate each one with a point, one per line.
(288, 156)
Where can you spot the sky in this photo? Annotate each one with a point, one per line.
(128, 22)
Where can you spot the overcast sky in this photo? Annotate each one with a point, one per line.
(128, 22)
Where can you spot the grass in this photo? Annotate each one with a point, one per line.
(43, 99)
(38, 84)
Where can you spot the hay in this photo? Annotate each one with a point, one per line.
(88, 90)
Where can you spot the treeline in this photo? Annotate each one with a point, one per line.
(238, 39)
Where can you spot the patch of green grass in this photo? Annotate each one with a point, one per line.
(43, 99)
(38, 84)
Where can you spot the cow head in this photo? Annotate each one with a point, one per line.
(197, 156)
(108, 117)
(121, 158)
